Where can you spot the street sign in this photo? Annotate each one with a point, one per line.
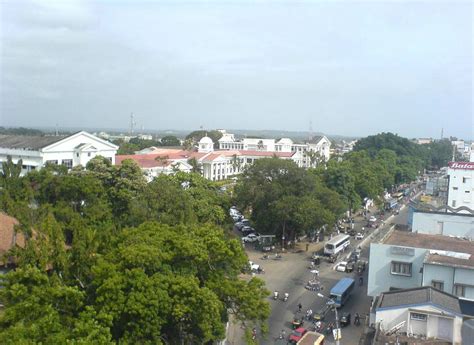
(337, 334)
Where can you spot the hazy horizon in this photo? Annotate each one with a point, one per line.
(343, 68)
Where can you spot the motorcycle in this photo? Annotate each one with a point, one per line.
(275, 295)
(285, 298)
(265, 257)
(254, 334)
(277, 257)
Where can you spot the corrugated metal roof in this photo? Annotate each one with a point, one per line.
(420, 295)
(23, 142)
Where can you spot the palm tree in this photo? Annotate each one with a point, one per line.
(235, 162)
(196, 167)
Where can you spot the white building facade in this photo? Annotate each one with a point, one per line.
(408, 260)
(310, 153)
(213, 164)
(70, 151)
(420, 312)
(461, 185)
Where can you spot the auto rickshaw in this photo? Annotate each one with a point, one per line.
(345, 319)
(316, 259)
(321, 313)
(297, 322)
(333, 258)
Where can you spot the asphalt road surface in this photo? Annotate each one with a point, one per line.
(291, 274)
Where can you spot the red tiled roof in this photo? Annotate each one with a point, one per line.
(8, 237)
(144, 160)
(162, 159)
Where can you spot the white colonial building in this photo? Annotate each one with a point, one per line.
(311, 152)
(72, 150)
(212, 164)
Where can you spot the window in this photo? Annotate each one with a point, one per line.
(77, 154)
(24, 167)
(467, 191)
(459, 290)
(418, 316)
(88, 154)
(437, 284)
(55, 162)
(464, 179)
(455, 188)
(67, 163)
(453, 203)
(401, 268)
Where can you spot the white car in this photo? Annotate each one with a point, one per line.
(359, 236)
(372, 219)
(342, 266)
(250, 238)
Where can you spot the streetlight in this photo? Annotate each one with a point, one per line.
(331, 302)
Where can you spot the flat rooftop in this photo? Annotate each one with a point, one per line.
(446, 247)
(435, 242)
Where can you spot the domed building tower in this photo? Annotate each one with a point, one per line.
(206, 145)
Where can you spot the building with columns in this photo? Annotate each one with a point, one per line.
(311, 152)
(213, 164)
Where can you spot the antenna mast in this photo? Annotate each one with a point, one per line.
(132, 123)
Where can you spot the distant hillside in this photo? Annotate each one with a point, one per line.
(241, 133)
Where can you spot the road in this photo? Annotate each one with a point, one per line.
(292, 273)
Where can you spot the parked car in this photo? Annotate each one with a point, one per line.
(372, 219)
(359, 236)
(251, 238)
(352, 233)
(246, 222)
(342, 266)
(247, 230)
(239, 226)
(297, 334)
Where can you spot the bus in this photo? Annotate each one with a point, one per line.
(337, 244)
(342, 291)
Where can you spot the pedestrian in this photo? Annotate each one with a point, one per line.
(361, 281)
(307, 246)
(300, 307)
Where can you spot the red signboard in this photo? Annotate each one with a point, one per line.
(461, 165)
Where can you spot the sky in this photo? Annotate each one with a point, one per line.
(337, 67)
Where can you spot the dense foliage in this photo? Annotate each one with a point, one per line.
(137, 144)
(111, 259)
(20, 131)
(285, 199)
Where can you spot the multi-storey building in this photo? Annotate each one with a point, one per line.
(461, 185)
(408, 260)
(212, 164)
(312, 152)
